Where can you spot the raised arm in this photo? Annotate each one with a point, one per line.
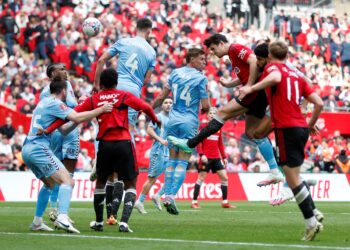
(99, 67)
(160, 98)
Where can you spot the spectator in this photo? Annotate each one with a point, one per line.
(295, 29)
(269, 4)
(27, 94)
(7, 131)
(342, 162)
(5, 150)
(10, 27)
(345, 52)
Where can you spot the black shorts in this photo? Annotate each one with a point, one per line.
(290, 146)
(213, 164)
(116, 156)
(256, 103)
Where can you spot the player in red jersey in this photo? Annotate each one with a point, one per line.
(211, 152)
(253, 106)
(284, 90)
(116, 151)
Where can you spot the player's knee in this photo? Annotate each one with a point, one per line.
(258, 134)
(223, 114)
(151, 180)
(224, 182)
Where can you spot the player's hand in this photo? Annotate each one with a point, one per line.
(225, 162)
(95, 88)
(41, 131)
(107, 107)
(83, 98)
(204, 159)
(224, 82)
(164, 142)
(159, 123)
(314, 130)
(244, 91)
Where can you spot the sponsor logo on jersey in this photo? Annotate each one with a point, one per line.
(236, 70)
(242, 53)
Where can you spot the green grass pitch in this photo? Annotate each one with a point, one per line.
(253, 225)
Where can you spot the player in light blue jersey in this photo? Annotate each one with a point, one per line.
(159, 156)
(39, 157)
(66, 148)
(189, 88)
(136, 61)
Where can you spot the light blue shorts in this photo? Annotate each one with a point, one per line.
(157, 165)
(65, 147)
(40, 159)
(181, 129)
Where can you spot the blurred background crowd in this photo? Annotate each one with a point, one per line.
(34, 33)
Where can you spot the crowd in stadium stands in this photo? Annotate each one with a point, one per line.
(36, 32)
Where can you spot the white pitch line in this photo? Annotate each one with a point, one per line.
(256, 244)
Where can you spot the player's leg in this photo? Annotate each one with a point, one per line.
(156, 197)
(109, 195)
(151, 179)
(230, 110)
(265, 149)
(118, 192)
(290, 146)
(202, 173)
(36, 159)
(169, 173)
(99, 197)
(127, 170)
(221, 171)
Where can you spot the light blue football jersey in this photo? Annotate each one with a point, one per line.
(188, 86)
(157, 147)
(136, 57)
(71, 101)
(45, 113)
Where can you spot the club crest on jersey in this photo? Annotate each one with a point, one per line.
(63, 107)
(236, 70)
(242, 53)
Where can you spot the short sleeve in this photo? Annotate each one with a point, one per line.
(307, 90)
(115, 48)
(240, 52)
(60, 110)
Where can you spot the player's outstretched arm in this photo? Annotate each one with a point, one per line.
(229, 84)
(99, 67)
(205, 104)
(138, 104)
(87, 115)
(67, 128)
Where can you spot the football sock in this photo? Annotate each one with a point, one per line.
(129, 202)
(304, 200)
(99, 196)
(64, 196)
(109, 197)
(118, 192)
(142, 198)
(54, 196)
(197, 188)
(213, 126)
(224, 189)
(179, 176)
(43, 199)
(266, 151)
(160, 192)
(312, 201)
(169, 176)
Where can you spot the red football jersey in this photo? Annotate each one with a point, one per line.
(114, 125)
(284, 98)
(212, 147)
(239, 55)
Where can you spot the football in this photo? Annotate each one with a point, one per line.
(92, 26)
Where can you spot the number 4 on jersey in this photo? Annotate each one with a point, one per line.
(132, 63)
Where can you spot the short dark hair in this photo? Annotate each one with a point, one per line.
(278, 50)
(215, 39)
(52, 67)
(57, 85)
(262, 50)
(168, 98)
(143, 24)
(109, 78)
(193, 52)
